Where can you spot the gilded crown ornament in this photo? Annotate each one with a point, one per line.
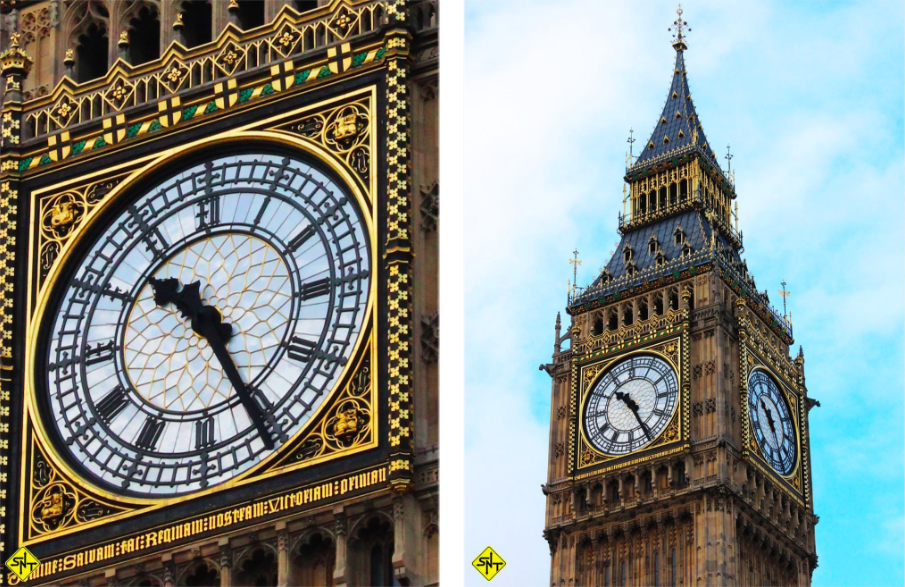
(677, 27)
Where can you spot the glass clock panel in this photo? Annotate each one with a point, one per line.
(631, 404)
(771, 422)
(207, 323)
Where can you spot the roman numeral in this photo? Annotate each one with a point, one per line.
(301, 349)
(112, 404)
(100, 353)
(301, 238)
(316, 289)
(261, 210)
(152, 237)
(150, 434)
(204, 433)
(208, 214)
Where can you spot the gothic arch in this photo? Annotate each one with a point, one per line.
(86, 29)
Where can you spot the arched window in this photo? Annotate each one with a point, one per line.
(627, 253)
(683, 190)
(662, 202)
(612, 320)
(658, 305)
(144, 36)
(203, 576)
(598, 326)
(624, 577)
(381, 567)
(627, 318)
(259, 569)
(643, 313)
(656, 569)
(673, 300)
(89, 35)
(673, 194)
(250, 14)
(314, 562)
(679, 235)
(197, 20)
(606, 576)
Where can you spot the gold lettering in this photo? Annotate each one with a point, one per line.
(343, 486)
(151, 539)
(80, 559)
(248, 512)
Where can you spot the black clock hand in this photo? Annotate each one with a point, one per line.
(207, 322)
(770, 420)
(630, 403)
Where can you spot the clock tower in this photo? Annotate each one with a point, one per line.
(679, 445)
(218, 294)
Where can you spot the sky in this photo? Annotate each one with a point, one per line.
(810, 97)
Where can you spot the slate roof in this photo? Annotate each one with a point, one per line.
(697, 231)
(678, 101)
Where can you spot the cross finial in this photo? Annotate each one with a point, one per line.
(575, 263)
(677, 29)
(784, 293)
(631, 141)
(729, 157)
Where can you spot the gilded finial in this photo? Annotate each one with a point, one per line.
(70, 56)
(178, 24)
(123, 39)
(677, 29)
(233, 5)
(14, 41)
(575, 263)
(785, 294)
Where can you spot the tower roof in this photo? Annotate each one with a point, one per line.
(678, 128)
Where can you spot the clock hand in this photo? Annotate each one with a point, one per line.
(207, 322)
(770, 421)
(630, 403)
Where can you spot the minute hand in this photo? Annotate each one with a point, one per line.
(212, 333)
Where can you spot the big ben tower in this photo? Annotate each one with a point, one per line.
(679, 445)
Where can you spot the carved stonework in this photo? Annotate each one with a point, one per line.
(57, 504)
(430, 338)
(61, 214)
(430, 207)
(345, 131)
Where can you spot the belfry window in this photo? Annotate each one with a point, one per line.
(250, 14)
(92, 43)
(612, 321)
(658, 305)
(627, 254)
(144, 36)
(598, 327)
(627, 317)
(197, 20)
(673, 300)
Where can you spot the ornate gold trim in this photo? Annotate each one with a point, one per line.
(671, 351)
(366, 345)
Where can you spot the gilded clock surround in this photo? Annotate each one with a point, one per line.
(343, 425)
(673, 436)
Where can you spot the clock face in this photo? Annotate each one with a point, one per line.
(206, 324)
(771, 422)
(631, 404)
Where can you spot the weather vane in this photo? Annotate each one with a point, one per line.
(678, 25)
(575, 263)
(630, 141)
(729, 157)
(784, 293)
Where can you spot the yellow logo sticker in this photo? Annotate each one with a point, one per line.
(489, 563)
(22, 563)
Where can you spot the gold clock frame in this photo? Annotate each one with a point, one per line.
(674, 438)
(795, 482)
(366, 350)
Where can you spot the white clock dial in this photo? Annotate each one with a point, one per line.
(206, 323)
(631, 404)
(771, 422)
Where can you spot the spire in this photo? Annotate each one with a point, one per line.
(678, 127)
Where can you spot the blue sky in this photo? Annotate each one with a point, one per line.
(810, 96)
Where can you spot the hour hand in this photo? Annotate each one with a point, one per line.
(187, 299)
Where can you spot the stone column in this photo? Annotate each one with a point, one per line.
(283, 554)
(339, 572)
(168, 575)
(226, 562)
(110, 576)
